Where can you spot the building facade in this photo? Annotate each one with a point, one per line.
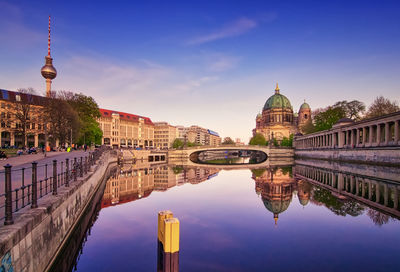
(164, 135)
(122, 129)
(277, 119)
(202, 136)
(12, 105)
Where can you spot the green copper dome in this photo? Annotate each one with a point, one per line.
(304, 106)
(277, 101)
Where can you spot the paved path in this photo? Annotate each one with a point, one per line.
(25, 161)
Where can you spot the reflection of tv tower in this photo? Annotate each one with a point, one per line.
(48, 71)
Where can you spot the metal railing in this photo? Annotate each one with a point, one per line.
(20, 191)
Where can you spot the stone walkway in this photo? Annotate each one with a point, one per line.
(29, 158)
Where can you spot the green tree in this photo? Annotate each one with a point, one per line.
(287, 141)
(381, 106)
(257, 139)
(178, 143)
(328, 117)
(353, 109)
(228, 141)
(308, 127)
(88, 112)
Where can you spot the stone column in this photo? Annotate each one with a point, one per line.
(357, 143)
(369, 190)
(387, 133)
(334, 140)
(352, 138)
(340, 182)
(370, 135)
(396, 132)
(341, 139)
(378, 134)
(378, 193)
(363, 189)
(357, 187)
(364, 136)
(352, 181)
(385, 195)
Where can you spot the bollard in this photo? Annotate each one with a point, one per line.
(80, 168)
(168, 242)
(86, 165)
(75, 170)
(67, 172)
(8, 216)
(54, 177)
(34, 185)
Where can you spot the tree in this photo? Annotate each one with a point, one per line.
(88, 112)
(308, 127)
(327, 118)
(287, 141)
(23, 112)
(228, 141)
(381, 106)
(257, 139)
(353, 109)
(61, 119)
(178, 143)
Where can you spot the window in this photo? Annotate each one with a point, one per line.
(3, 125)
(305, 116)
(3, 115)
(3, 105)
(33, 125)
(8, 115)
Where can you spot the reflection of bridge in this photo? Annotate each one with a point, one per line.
(276, 156)
(378, 193)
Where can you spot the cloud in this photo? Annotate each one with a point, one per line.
(222, 63)
(12, 26)
(235, 28)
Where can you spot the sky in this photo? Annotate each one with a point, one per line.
(206, 63)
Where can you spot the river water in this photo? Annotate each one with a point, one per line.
(309, 216)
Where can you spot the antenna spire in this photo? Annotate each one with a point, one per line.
(48, 46)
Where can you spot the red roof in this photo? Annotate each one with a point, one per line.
(126, 116)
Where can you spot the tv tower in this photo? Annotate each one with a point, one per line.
(48, 71)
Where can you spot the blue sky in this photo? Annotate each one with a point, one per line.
(210, 63)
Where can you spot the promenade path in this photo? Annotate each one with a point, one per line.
(25, 161)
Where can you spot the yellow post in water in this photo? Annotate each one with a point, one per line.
(168, 242)
(171, 236)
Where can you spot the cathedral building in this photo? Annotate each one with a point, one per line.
(278, 120)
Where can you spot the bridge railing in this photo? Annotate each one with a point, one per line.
(24, 186)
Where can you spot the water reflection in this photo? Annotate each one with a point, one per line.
(342, 193)
(133, 182)
(310, 198)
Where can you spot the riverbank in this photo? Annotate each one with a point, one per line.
(36, 235)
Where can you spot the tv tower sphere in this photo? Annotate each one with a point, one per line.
(48, 71)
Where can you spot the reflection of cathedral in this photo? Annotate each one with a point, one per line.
(276, 186)
(133, 182)
(278, 120)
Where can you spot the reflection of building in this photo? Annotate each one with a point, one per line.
(276, 186)
(126, 130)
(278, 120)
(132, 182)
(164, 134)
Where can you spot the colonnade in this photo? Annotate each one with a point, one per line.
(379, 194)
(381, 131)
